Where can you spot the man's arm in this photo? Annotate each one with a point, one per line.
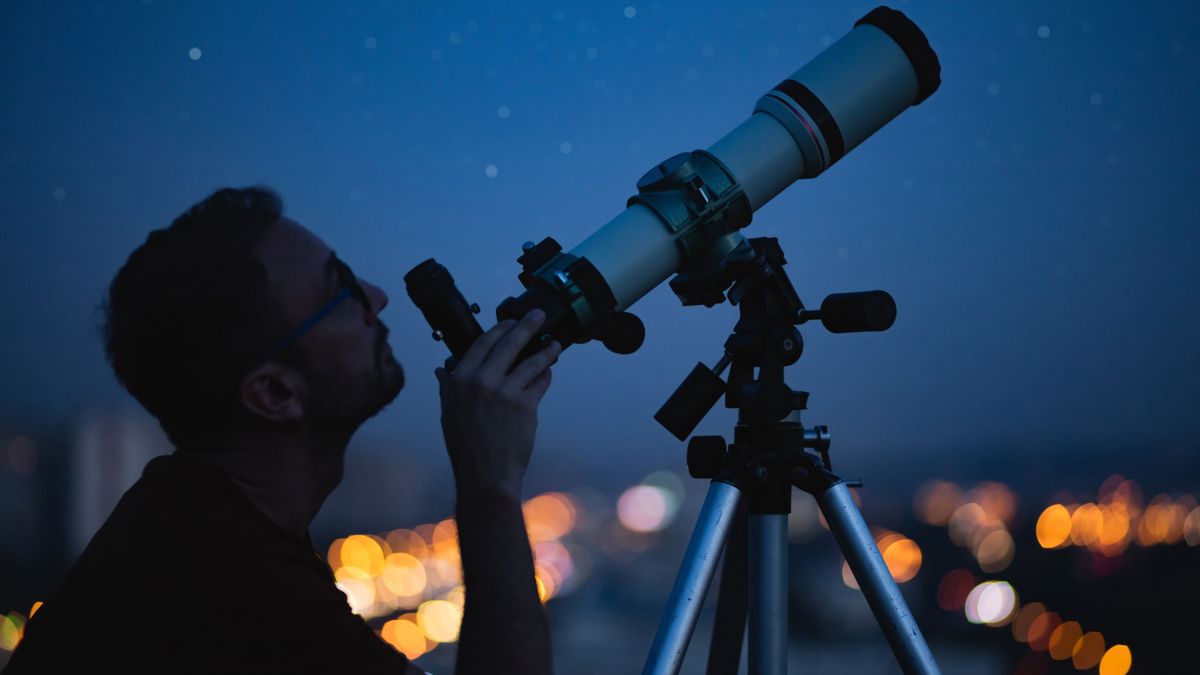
(489, 417)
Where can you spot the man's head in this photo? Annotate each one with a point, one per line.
(236, 319)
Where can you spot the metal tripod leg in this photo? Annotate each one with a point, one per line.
(892, 613)
(768, 594)
(729, 623)
(695, 575)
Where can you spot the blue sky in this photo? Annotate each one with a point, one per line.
(1034, 218)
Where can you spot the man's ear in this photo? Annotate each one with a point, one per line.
(273, 392)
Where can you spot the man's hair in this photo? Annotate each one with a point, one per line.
(190, 310)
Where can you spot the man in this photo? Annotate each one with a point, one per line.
(260, 354)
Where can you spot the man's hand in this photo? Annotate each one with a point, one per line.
(489, 415)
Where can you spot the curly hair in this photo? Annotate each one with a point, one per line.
(189, 311)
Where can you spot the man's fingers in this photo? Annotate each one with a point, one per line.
(504, 354)
(537, 389)
(529, 369)
(482, 347)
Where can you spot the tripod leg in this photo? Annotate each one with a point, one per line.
(725, 648)
(768, 594)
(892, 613)
(695, 575)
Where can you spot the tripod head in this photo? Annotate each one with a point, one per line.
(765, 338)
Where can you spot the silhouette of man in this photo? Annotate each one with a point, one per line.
(260, 353)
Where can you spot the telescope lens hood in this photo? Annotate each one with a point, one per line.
(914, 44)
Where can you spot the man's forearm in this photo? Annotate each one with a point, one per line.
(504, 627)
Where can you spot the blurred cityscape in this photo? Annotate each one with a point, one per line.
(1082, 563)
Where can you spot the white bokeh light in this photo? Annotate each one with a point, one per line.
(491, 171)
(643, 508)
(990, 602)
(194, 53)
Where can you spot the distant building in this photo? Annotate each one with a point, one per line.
(110, 450)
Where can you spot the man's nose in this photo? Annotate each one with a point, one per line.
(378, 299)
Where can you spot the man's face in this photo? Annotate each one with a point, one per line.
(346, 359)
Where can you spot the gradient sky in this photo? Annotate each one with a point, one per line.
(1035, 218)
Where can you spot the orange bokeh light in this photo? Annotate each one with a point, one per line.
(1116, 661)
(1087, 651)
(1023, 624)
(936, 501)
(1041, 629)
(1054, 526)
(1063, 639)
(1086, 523)
(549, 516)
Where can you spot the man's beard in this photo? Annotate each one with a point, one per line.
(339, 402)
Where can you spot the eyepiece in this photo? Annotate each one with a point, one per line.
(433, 291)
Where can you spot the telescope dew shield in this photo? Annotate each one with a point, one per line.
(798, 129)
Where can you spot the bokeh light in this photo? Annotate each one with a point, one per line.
(1023, 624)
(1087, 651)
(901, 555)
(358, 587)
(439, 620)
(404, 575)
(1086, 523)
(549, 516)
(936, 501)
(953, 589)
(12, 629)
(991, 602)
(362, 552)
(1063, 639)
(1116, 661)
(1042, 628)
(1191, 528)
(995, 551)
(405, 635)
(643, 508)
(1054, 526)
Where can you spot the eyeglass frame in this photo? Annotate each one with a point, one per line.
(350, 287)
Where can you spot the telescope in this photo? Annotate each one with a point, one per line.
(689, 210)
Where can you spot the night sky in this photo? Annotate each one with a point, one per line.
(1035, 218)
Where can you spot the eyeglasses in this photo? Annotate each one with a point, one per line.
(350, 287)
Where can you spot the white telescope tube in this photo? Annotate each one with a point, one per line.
(798, 129)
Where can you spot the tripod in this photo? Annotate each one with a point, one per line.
(745, 511)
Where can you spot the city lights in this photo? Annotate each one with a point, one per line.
(421, 569)
(1117, 519)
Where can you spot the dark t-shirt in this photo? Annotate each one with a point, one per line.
(188, 575)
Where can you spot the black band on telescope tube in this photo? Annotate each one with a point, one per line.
(819, 114)
(914, 44)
